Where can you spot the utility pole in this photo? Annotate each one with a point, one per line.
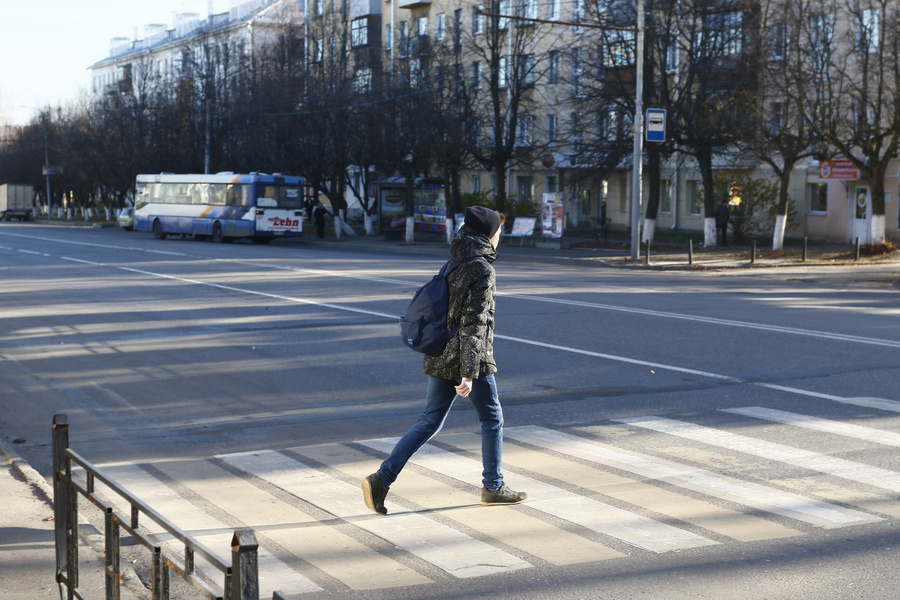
(47, 171)
(637, 169)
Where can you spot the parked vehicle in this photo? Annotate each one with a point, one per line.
(126, 219)
(16, 202)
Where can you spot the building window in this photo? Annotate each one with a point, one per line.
(722, 34)
(695, 194)
(867, 35)
(475, 183)
(776, 118)
(476, 75)
(526, 70)
(553, 10)
(503, 9)
(620, 49)
(422, 26)
(577, 15)
(388, 37)
(665, 196)
(550, 184)
(623, 196)
(319, 50)
(577, 73)
(502, 73)
(362, 82)
(403, 34)
(359, 32)
(457, 29)
(318, 8)
(576, 132)
(553, 66)
(551, 130)
(822, 32)
(525, 131)
(779, 41)
(527, 10)
(524, 187)
(477, 20)
(440, 27)
(818, 197)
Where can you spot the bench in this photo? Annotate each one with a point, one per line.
(523, 228)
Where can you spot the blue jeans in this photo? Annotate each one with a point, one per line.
(438, 400)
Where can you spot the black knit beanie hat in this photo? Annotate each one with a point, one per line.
(483, 220)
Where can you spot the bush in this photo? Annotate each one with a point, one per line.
(877, 249)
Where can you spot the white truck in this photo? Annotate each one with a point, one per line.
(16, 202)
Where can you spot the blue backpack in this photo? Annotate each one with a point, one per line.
(423, 327)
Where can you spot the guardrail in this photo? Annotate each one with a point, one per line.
(240, 578)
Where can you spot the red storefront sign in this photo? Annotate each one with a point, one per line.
(838, 169)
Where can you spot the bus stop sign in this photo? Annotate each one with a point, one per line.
(656, 125)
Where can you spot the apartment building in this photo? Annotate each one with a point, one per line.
(540, 79)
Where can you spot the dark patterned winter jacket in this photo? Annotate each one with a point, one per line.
(473, 288)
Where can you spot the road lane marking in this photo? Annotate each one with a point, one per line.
(813, 461)
(608, 307)
(869, 402)
(878, 436)
(452, 551)
(623, 525)
(820, 514)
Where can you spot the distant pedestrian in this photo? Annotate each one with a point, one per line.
(465, 367)
(722, 214)
(319, 213)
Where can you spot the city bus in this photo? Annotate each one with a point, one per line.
(221, 207)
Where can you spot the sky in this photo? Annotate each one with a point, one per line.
(46, 46)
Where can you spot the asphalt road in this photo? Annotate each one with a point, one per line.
(682, 435)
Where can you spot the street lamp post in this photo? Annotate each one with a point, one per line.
(637, 170)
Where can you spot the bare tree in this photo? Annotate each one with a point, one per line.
(851, 50)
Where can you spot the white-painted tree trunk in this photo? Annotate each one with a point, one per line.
(347, 229)
(778, 236)
(709, 233)
(649, 230)
(876, 229)
(338, 229)
(448, 229)
(108, 213)
(369, 223)
(410, 230)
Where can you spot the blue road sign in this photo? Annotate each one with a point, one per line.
(656, 125)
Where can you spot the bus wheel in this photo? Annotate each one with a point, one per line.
(217, 235)
(158, 233)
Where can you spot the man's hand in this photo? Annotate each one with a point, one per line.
(464, 387)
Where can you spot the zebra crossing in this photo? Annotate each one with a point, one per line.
(589, 500)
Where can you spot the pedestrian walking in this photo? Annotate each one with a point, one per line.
(722, 214)
(465, 367)
(319, 213)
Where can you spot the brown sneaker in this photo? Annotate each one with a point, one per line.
(374, 493)
(504, 495)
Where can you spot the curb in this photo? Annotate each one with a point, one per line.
(27, 472)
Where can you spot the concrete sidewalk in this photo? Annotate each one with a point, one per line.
(27, 547)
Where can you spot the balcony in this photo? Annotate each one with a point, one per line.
(413, 3)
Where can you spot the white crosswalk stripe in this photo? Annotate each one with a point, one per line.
(615, 522)
(756, 496)
(211, 532)
(878, 436)
(415, 533)
(814, 461)
(589, 501)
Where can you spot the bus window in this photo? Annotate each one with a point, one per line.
(280, 196)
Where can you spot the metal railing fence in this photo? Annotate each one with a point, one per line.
(240, 578)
